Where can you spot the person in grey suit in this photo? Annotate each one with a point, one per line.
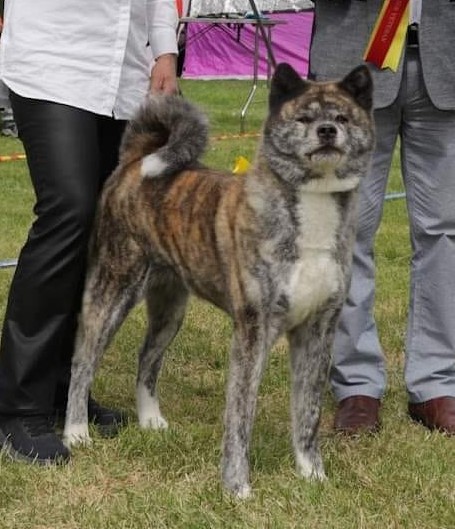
(417, 105)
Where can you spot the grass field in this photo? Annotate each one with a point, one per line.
(401, 478)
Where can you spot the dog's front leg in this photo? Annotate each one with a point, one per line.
(310, 349)
(247, 360)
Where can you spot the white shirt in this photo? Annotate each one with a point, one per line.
(90, 54)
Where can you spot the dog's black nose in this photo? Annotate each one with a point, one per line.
(327, 132)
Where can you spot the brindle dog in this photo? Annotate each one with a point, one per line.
(272, 248)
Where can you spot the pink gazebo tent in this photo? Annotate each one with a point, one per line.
(226, 51)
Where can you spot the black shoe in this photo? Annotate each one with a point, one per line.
(108, 420)
(32, 438)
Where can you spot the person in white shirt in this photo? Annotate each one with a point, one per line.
(75, 74)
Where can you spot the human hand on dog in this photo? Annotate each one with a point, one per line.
(163, 77)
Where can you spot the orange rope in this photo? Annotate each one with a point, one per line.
(12, 157)
(235, 136)
(179, 6)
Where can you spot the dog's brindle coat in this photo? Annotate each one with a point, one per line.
(272, 248)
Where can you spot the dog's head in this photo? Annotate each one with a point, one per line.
(319, 134)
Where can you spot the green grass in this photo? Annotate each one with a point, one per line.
(401, 478)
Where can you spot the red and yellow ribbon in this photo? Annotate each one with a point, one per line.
(389, 34)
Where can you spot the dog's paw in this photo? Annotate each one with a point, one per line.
(243, 492)
(238, 492)
(153, 422)
(76, 434)
(148, 410)
(236, 483)
(310, 467)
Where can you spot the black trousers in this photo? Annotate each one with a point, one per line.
(70, 152)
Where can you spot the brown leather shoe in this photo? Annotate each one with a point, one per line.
(358, 414)
(435, 414)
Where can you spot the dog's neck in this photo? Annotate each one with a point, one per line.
(264, 181)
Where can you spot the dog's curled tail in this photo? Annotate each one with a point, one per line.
(168, 133)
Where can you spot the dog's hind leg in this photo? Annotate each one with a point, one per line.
(112, 288)
(310, 349)
(166, 299)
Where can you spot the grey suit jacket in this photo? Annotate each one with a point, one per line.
(341, 33)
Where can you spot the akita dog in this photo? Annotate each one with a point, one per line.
(273, 248)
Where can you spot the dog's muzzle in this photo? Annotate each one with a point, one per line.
(327, 133)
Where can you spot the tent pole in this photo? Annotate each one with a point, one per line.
(263, 33)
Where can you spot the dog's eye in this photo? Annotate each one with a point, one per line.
(341, 118)
(305, 119)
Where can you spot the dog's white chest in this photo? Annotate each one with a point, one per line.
(316, 276)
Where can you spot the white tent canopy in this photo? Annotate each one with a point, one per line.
(207, 7)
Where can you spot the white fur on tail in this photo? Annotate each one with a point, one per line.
(152, 165)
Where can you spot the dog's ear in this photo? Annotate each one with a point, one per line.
(285, 85)
(359, 84)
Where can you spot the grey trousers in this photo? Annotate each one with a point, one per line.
(428, 169)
